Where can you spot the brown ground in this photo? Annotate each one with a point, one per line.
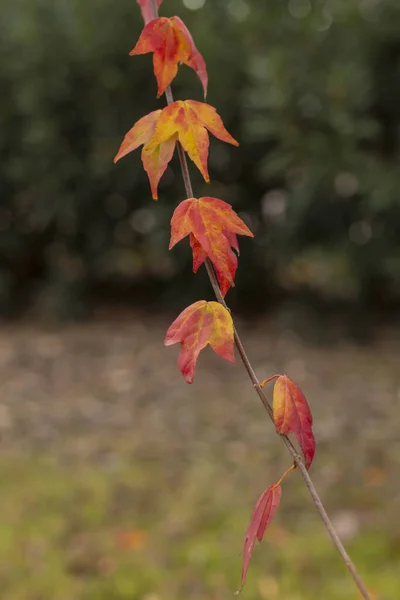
(71, 388)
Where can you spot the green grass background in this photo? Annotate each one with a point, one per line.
(129, 533)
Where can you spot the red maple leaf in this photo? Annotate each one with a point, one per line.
(171, 42)
(262, 516)
(212, 225)
(200, 324)
(292, 415)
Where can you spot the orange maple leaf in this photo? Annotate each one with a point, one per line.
(159, 130)
(212, 225)
(171, 42)
(261, 518)
(189, 120)
(145, 7)
(155, 161)
(200, 324)
(292, 415)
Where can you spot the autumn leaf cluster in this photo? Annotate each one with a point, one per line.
(211, 226)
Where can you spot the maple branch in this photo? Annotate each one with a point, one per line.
(298, 460)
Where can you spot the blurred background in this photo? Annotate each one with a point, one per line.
(118, 481)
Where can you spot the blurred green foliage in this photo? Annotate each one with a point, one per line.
(311, 88)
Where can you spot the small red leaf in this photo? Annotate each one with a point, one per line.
(200, 324)
(213, 226)
(292, 415)
(261, 518)
(171, 44)
(145, 7)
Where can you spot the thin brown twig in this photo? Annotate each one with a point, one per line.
(298, 460)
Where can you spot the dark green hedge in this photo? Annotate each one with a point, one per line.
(311, 90)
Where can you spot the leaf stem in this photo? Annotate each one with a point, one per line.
(286, 473)
(264, 383)
(298, 460)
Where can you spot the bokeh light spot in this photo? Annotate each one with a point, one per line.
(194, 4)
